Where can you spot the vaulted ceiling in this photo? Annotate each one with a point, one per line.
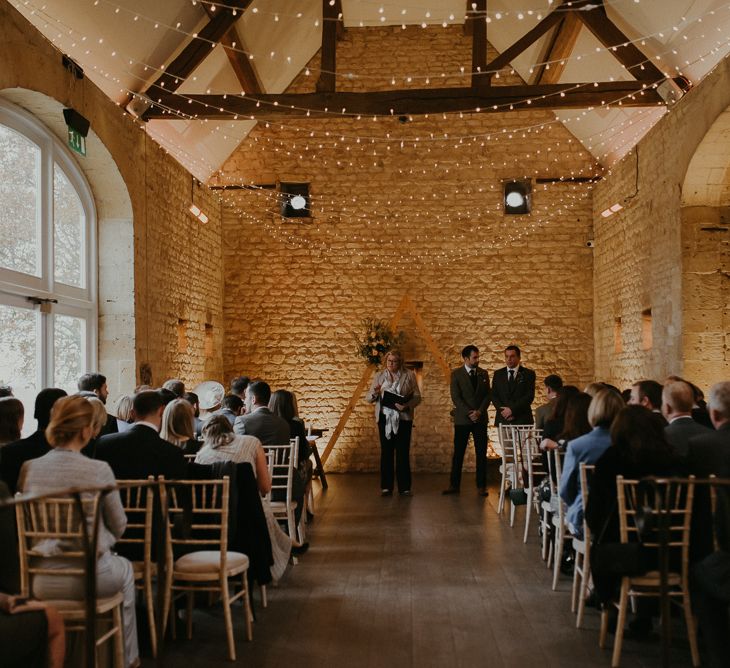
(125, 46)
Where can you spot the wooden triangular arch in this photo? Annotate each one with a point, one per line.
(406, 306)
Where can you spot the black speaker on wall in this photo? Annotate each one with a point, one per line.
(76, 121)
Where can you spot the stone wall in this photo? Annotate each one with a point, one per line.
(654, 255)
(146, 231)
(424, 219)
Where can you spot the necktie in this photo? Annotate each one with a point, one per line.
(473, 378)
(511, 376)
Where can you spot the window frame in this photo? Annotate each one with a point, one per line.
(18, 288)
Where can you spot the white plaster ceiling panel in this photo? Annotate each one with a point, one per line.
(103, 38)
(283, 41)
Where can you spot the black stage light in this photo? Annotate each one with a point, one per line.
(517, 197)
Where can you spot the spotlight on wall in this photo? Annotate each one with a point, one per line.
(195, 211)
(295, 200)
(517, 197)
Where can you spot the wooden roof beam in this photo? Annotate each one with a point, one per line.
(405, 102)
(239, 62)
(199, 48)
(619, 45)
(331, 22)
(559, 47)
(477, 17)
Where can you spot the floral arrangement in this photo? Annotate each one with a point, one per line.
(377, 339)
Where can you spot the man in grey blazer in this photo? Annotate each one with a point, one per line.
(270, 429)
(677, 401)
(470, 394)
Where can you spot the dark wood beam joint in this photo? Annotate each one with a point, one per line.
(493, 99)
(328, 53)
(477, 16)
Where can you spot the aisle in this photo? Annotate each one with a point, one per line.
(411, 582)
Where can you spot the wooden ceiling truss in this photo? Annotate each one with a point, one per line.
(562, 27)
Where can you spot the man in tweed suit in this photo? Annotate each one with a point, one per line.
(470, 394)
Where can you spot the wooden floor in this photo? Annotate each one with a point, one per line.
(407, 582)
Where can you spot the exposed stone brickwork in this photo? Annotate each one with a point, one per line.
(655, 255)
(176, 260)
(425, 221)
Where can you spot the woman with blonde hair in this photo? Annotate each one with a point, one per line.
(64, 467)
(395, 421)
(125, 412)
(587, 449)
(178, 425)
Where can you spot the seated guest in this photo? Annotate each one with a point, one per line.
(648, 393)
(552, 384)
(14, 455)
(12, 416)
(31, 633)
(220, 444)
(638, 449)
(140, 452)
(710, 586)
(64, 466)
(98, 421)
(177, 426)
(176, 386)
(194, 401)
(677, 401)
(260, 422)
(6, 391)
(125, 412)
(575, 422)
(166, 395)
(587, 449)
(554, 423)
(231, 408)
(283, 403)
(95, 383)
(239, 385)
(709, 454)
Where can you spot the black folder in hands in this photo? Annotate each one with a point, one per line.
(390, 399)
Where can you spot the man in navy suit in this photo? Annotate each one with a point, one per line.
(513, 390)
(470, 394)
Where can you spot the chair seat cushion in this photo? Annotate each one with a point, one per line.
(208, 561)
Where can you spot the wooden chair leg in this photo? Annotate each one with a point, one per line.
(577, 582)
(623, 604)
(189, 616)
(603, 633)
(557, 555)
(500, 505)
(228, 620)
(528, 514)
(247, 607)
(149, 602)
(512, 514)
(691, 629)
(119, 661)
(264, 597)
(583, 593)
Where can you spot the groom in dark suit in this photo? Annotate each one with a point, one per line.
(470, 394)
(513, 390)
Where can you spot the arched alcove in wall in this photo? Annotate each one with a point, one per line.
(705, 220)
(115, 238)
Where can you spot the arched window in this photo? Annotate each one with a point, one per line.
(48, 261)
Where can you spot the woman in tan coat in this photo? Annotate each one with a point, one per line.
(395, 421)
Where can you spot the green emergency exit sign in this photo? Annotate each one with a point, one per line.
(76, 142)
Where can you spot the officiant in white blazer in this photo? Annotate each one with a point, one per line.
(395, 421)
